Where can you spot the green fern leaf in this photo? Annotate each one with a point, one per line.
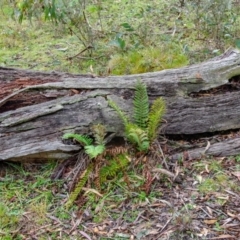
(141, 105)
(94, 151)
(139, 137)
(82, 139)
(129, 128)
(120, 113)
(156, 113)
(81, 183)
(114, 167)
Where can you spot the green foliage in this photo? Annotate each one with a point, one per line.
(6, 217)
(94, 151)
(138, 136)
(141, 106)
(209, 185)
(138, 36)
(108, 168)
(82, 139)
(81, 182)
(156, 113)
(213, 20)
(143, 131)
(148, 59)
(113, 167)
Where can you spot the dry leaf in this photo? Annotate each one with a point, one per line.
(209, 210)
(85, 235)
(206, 168)
(225, 236)
(75, 91)
(199, 178)
(231, 215)
(88, 190)
(210, 221)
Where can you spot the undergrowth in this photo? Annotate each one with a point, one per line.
(136, 37)
(103, 164)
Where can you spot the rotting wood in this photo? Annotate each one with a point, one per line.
(36, 108)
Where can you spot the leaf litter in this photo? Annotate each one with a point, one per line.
(192, 199)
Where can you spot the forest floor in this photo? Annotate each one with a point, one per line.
(201, 201)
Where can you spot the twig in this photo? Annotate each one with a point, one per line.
(85, 49)
(164, 171)
(163, 156)
(169, 220)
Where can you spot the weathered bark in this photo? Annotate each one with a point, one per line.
(36, 108)
(229, 147)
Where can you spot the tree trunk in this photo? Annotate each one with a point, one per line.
(36, 108)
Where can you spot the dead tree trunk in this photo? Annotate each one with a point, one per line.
(36, 108)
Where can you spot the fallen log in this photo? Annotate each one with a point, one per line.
(225, 148)
(36, 108)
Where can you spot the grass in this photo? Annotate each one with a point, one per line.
(153, 37)
(36, 47)
(33, 205)
(26, 197)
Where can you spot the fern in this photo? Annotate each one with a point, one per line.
(82, 181)
(141, 105)
(143, 130)
(82, 139)
(156, 113)
(139, 137)
(120, 113)
(94, 151)
(113, 167)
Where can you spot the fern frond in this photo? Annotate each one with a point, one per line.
(141, 105)
(114, 167)
(99, 132)
(138, 137)
(156, 113)
(82, 139)
(129, 127)
(120, 113)
(94, 151)
(81, 183)
(114, 151)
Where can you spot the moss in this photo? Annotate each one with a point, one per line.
(148, 60)
(209, 185)
(215, 166)
(219, 182)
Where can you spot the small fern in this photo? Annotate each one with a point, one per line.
(113, 167)
(139, 137)
(141, 105)
(156, 113)
(82, 139)
(143, 130)
(82, 181)
(94, 151)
